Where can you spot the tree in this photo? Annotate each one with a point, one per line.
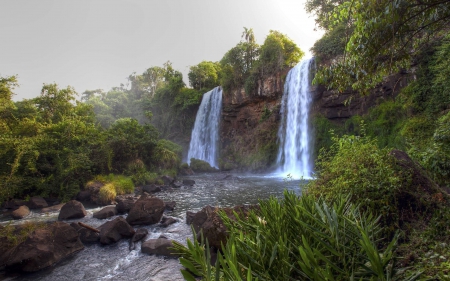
(204, 75)
(277, 53)
(386, 36)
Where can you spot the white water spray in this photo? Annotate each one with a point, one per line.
(205, 135)
(294, 156)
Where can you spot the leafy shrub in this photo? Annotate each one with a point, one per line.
(355, 165)
(114, 185)
(198, 165)
(297, 238)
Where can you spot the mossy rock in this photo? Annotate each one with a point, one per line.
(200, 166)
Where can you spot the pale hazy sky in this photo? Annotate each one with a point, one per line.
(91, 44)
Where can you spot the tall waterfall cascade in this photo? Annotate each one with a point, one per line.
(294, 133)
(205, 135)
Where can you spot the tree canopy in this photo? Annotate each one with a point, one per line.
(382, 37)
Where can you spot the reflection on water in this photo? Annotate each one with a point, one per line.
(116, 262)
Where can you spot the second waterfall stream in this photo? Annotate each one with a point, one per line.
(205, 135)
(294, 134)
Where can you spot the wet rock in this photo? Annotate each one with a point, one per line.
(167, 180)
(54, 208)
(189, 217)
(44, 247)
(166, 221)
(20, 213)
(152, 188)
(158, 246)
(170, 206)
(125, 202)
(84, 195)
(72, 210)
(37, 203)
(13, 204)
(113, 231)
(186, 172)
(140, 234)
(86, 236)
(146, 210)
(176, 184)
(189, 182)
(209, 222)
(106, 212)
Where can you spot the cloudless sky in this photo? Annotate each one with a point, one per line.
(91, 44)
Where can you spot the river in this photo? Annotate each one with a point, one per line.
(117, 262)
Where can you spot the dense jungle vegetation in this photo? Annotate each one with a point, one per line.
(368, 215)
(54, 144)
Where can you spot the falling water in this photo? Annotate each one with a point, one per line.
(294, 156)
(205, 135)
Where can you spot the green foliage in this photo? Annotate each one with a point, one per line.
(385, 36)
(331, 45)
(204, 75)
(435, 153)
(167, 154)
(200, 166)
(297, 238)
(48, 146)
(355, 165)
(277, 53)
(114, 185)
(247, 62)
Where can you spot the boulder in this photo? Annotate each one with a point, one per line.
(147, 210)
(209, 222)
(106, 212)
(44, 247)
(158, 246)
(13, 204)
(139, 235)
(186, 172)
(176, 184)
(167, 180)
(113, 231)
(189, 182)
(20, 213)
(170, 205)
(86, 236)
(84, 196)
(72, 210)
(151, 188)
(54, 208)
(189, 217)
(166, 221)
(37, 203)
(125, 202)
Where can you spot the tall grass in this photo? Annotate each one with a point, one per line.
(113, 185)
(297, 238)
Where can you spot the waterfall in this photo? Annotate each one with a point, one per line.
(294, 156)
(205, 135)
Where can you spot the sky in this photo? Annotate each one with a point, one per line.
(97, 44)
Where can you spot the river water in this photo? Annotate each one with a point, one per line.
(117, 262)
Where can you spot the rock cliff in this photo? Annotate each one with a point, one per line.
(249, 125)
(250, 122)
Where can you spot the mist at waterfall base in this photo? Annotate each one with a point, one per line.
(205, 135)
(294, 135)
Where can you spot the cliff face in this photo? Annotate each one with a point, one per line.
(341, 106)
(250, 124)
